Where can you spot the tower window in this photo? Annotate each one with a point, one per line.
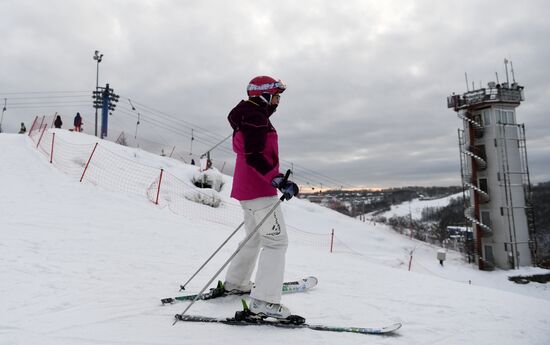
(486, 218)
(483, 185)
(510, 117)
(486, 118)
(480, 151)
(505, 116)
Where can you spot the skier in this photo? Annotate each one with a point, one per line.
(255, 185)
(77, 122)
(58, 123)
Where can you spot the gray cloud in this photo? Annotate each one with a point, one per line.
(367, 80)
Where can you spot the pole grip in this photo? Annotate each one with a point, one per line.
(287, 175)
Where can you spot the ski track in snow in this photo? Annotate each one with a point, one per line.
(83, 265)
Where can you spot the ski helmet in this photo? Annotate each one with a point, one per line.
(264, 84)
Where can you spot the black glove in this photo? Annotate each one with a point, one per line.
(288, 188)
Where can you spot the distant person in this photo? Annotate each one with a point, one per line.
(192, 161)
(58, 123)
(23, 129)
(77, 123)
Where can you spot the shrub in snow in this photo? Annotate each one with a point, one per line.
(210, 178)
(205, 196)
(79, 161)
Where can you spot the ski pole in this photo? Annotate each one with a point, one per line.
(241, 246)
(231, 258)
(182, 287)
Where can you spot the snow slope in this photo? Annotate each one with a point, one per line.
(415, 207)
(80, 264)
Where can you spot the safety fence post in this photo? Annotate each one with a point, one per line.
(53, 120)
(332, 240)
(32, 127)
(411, 259)
(41, 135)
(89, 159)
(158, 189)
(51, 151)
(42, 121)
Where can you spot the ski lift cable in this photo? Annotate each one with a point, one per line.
(169, 128)
(161, 144)
(177, 121)
(323, 177)
(308, 172)
(124, 112)
(173, 118)
(206, 141)
(84, 97)
(39, 92)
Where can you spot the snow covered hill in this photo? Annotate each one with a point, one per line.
(414, 207)
(82, 263)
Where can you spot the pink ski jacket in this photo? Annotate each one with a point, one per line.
(255, 142)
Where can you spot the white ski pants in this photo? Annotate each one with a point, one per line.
(270, 243)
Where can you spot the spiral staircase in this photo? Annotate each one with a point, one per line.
(472, 160)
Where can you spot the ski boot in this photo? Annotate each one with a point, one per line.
(263, 310)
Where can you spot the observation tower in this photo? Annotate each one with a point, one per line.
(495, 172)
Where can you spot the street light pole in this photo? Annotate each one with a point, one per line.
(3, 110)
(98, 58)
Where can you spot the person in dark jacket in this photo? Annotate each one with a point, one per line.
(255, 185)
(23, 129)
(77, 122)
(58, 123)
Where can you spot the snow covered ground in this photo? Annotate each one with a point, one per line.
(81, 264)
(415, 207)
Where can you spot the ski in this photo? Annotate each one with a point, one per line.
(292, 322)
(300, 285)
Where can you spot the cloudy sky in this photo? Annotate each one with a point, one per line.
(367, 80)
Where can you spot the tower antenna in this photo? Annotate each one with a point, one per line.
(506, 67)
(512, 68)
(466, 76)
